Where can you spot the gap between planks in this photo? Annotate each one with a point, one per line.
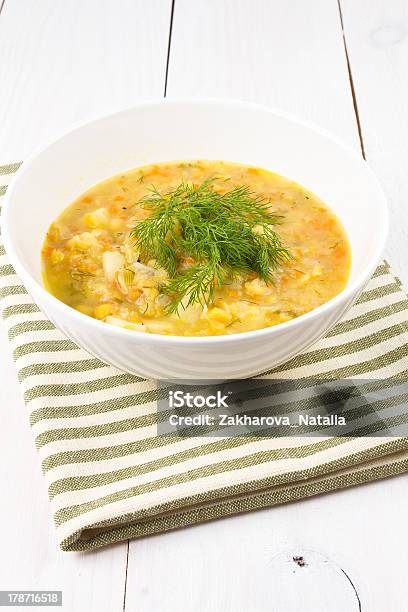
(352, 88)
(173, 2)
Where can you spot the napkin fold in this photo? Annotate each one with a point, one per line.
(111, 477)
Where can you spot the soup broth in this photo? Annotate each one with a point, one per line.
(93, 262)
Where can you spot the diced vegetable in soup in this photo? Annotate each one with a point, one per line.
(196, 248)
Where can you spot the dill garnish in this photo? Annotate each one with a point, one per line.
(219, 234)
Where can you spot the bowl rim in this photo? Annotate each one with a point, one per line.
(67, 311)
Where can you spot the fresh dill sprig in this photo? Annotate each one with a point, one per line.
(224, 234)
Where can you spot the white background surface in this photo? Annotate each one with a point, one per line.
(67, 60)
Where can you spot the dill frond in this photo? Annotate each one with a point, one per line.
(225, 234)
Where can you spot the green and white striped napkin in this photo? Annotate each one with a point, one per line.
(110, 477)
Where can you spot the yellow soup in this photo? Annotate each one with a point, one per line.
(94, 258)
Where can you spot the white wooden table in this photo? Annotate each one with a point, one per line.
(343, 66)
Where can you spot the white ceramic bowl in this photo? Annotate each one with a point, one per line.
(194, 129)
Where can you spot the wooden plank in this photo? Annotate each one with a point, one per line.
(352, 541)
(271, 52)
(63, 62)
(376, 33)
(278, 54)
(289, 55)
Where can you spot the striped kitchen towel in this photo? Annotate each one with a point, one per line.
(111, 477)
